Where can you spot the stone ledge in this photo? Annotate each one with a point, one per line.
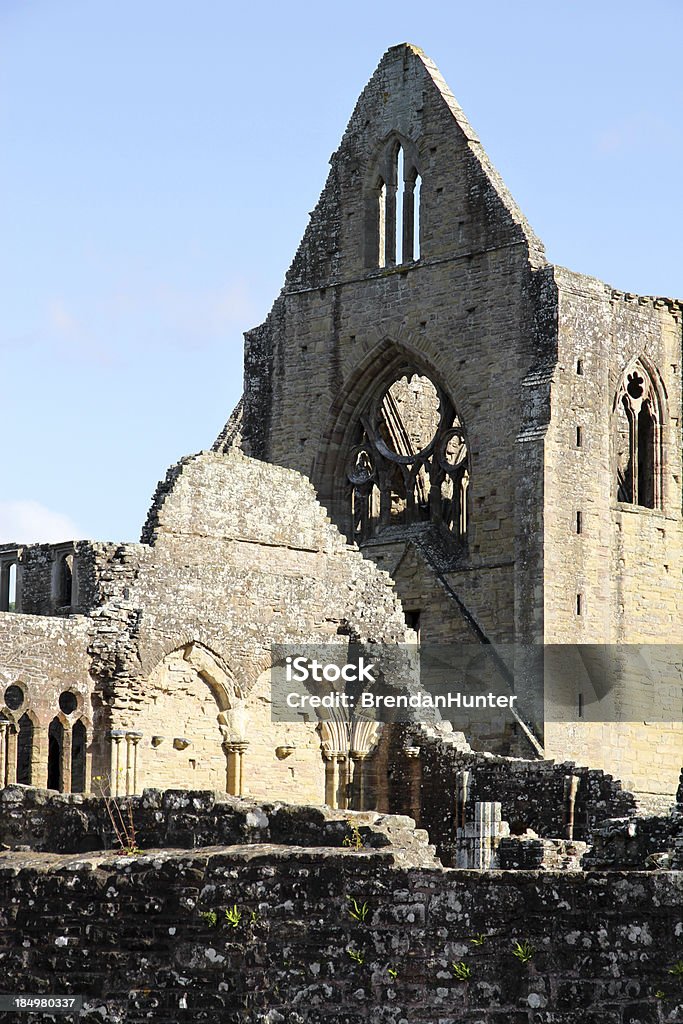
(40, 821)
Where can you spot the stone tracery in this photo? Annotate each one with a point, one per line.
(409, 462)
(638, 461)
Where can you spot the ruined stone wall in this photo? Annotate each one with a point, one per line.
(642, 844)
(466, 314)
(532, 793)
(626, 563)
(45, 822)
(42, 659)
(147, 938)
(174, 656)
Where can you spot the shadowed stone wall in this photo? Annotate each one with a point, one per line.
(147, 939)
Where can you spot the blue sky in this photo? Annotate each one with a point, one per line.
(158, 164)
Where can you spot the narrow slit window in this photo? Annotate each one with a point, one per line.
(55, 773)
(579, 604)
(416, 217)
(579, 437)
(400, 192)
(579, 522)
(382, 214)
(12, 587)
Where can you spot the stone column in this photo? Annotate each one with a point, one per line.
(331, 779)
(4, 729)
(66, 758)
(39, 754)
(487, 822)
(357, 759)
(408, 200)
(235, 750)
(414, 782)
(132, 740)
(87, 781)
(116, 766)
(345, 778)
(571, 785)
(462, 792)
(11, 755)
(4, 586)
(390, 225)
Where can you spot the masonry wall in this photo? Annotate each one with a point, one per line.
(146, 939)
(532, 794)
(466, 313)
(43, 658)
(172, 661)
(627, 562)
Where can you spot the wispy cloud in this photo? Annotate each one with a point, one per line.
(74, 336)
(635, 132)
(29, 522)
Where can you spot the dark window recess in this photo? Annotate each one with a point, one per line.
(54, 755)
(65, 580)
(24, 750)
(14, 697)
(78, 744)
(68, 702)
(413, 621)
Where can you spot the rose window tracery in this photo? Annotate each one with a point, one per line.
(409, 463)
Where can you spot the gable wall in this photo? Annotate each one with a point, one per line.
(466, 312)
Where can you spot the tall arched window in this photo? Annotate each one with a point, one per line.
(55, 739)
(25, 750)
(78, 749)
(65, 579)
(409, 463)
(394, 209)
(637, 439)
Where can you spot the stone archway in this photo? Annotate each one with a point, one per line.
(176, 734)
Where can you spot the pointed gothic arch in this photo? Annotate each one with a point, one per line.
(79, 745)
(345, 464)
(637, 414)
(25, 741)
(393, 204)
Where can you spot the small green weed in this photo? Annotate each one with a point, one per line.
(478, 940)
(524, 951)
(677, 969)
(233, 916)
(354, 839)
(462, 971)
(358, 911)
(393, 973)
(356, 956)
(210, 917)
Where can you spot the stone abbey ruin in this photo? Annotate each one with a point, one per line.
(443, 439)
